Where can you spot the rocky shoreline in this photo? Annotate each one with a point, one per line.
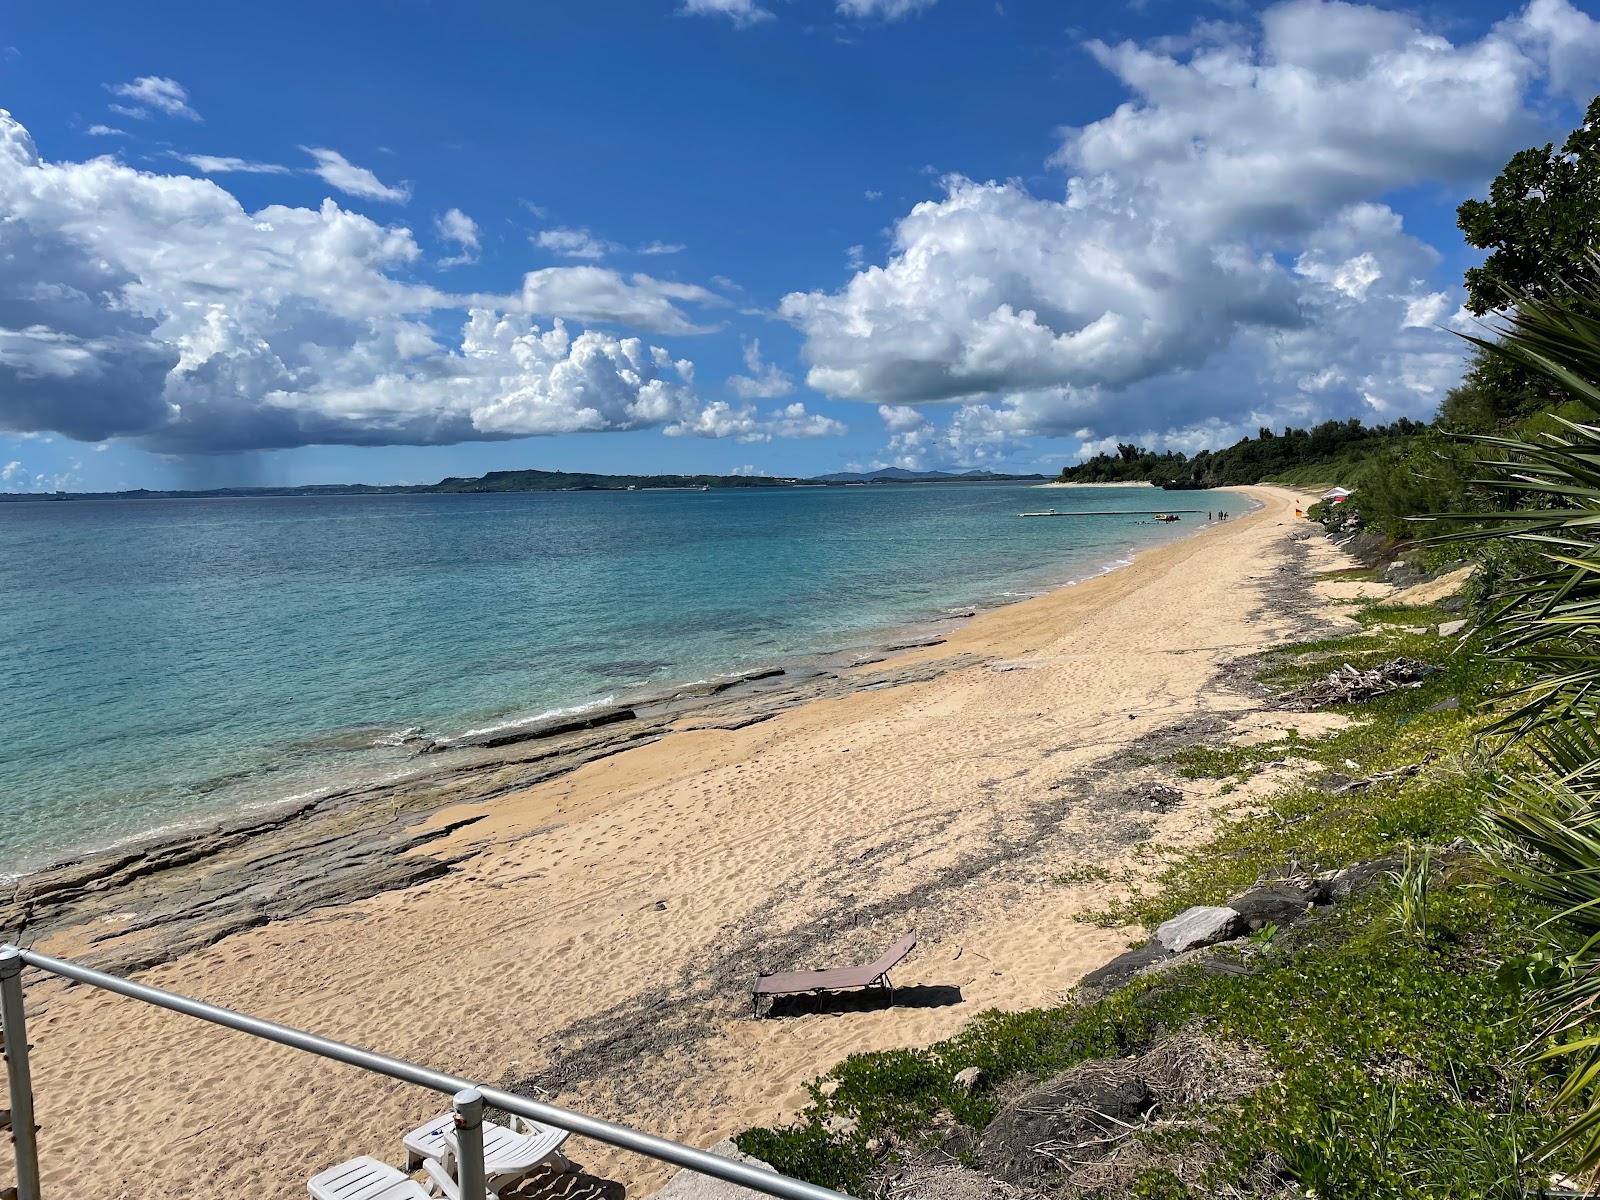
(140, 905)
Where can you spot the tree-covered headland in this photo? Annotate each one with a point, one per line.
(1540, 227)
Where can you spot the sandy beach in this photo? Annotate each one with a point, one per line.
(597, 934)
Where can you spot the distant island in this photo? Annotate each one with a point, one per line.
(540, 481)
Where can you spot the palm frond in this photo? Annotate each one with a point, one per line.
(1543, 831)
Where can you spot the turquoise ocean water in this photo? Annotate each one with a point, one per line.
(167, 661)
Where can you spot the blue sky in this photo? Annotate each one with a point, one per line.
(334, 242)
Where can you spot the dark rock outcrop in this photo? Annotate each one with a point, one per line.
(1403, 574)
(1280, 904)
(1125, 966)
(1340, 884)
(533, 731)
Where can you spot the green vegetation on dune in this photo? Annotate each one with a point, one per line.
(1386, 1051)
(1390, 1050)
(1344, 470)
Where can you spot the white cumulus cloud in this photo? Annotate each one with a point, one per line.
(765, 381)
(573, 243)
(744, 423)
(1567, 43)
(456, 227)
(15, 477)
(119, 317)
(338, 172)
(901, 418)
(600, 294)
(1220, 240)
(992, 288)
(742, 13)
(222, 164)
(153, 92)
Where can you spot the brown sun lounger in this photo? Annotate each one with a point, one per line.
(873, 975)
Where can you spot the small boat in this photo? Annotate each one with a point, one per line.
(1051, 513)
(1168, 517)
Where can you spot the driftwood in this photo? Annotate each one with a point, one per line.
(1351, 685)
(1361, 785)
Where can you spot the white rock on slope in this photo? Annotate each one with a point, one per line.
(1202, 925)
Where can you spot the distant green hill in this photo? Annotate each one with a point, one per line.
(494, 481)
(535, 481)
(579, 481)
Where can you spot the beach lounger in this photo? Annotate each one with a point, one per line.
(508, 1154)
(873, 975)
(368, 1179)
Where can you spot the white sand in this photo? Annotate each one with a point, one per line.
(616, 889)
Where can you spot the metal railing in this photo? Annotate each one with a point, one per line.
(468, 1098)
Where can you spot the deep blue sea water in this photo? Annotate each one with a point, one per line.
(164, 661)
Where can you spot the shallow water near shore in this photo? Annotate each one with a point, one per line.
(171, 661)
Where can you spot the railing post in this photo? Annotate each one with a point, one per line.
(24, 1136)
(468, 1104)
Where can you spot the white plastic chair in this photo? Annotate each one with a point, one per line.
(508, 1153)
(368, 1179)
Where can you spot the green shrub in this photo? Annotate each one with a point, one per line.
(808, 1152)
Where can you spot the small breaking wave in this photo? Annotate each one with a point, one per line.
(400, 737)
(548, 714)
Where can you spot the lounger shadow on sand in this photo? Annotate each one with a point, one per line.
(811, 1004)
(874, 977)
